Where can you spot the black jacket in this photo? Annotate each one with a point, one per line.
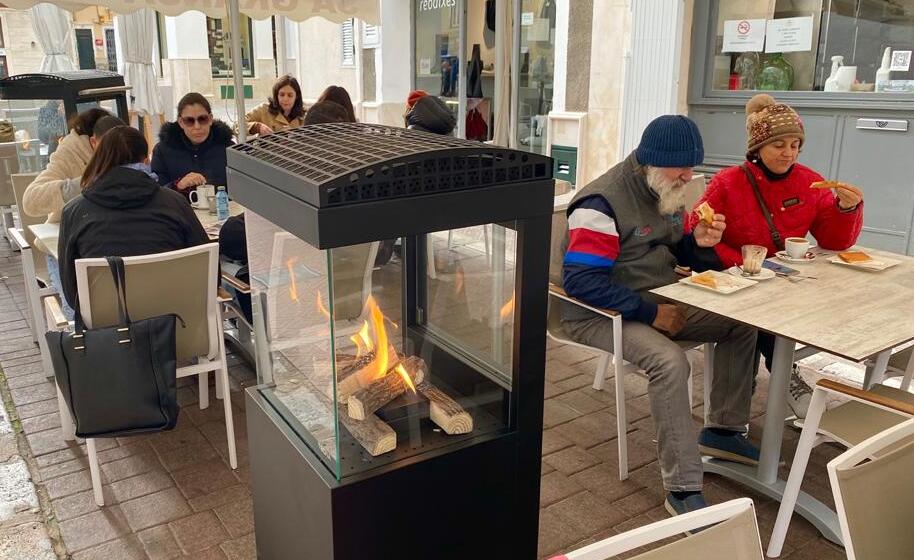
(430, 114)
(124, 213)
(174, 156)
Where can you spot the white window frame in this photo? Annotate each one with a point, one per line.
(347, 51)
(371, 36)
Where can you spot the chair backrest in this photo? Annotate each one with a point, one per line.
(20, 182)
(182, 282)
(9, 165)
(559, 230)
(874, 495)
(733, 535)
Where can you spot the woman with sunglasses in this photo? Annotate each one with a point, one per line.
(191, 151)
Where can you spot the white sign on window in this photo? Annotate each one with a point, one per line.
(526, 19)
(742, 35)
(901, 61)
(789, 35)
(425, 66)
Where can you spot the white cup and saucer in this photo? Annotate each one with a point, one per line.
(796, 251)
(199, 197)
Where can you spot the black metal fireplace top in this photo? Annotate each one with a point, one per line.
(47, 86)
(343, 164)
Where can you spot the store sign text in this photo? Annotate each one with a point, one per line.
(429, 5)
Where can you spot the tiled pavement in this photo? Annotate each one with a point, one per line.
(172, 495)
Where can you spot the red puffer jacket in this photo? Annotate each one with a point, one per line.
(795, 208)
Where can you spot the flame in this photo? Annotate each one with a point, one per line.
(320, 306)
(409, 382)
(377, 324)
(362, 341)
(507, 310)
(293, 289)
(458, 281)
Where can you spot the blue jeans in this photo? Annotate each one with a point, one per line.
(54, 279)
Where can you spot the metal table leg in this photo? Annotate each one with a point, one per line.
(764, 478)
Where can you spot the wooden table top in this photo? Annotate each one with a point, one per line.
(854, 314)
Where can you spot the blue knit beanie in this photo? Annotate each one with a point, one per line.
(671, 141)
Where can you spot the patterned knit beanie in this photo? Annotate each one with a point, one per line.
(767, 121)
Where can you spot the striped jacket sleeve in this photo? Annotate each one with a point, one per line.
(593, 247)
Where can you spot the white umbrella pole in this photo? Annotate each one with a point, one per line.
(234, 15)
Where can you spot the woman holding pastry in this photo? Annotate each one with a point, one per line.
(771, 197)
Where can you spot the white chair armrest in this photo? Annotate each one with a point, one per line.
(18, 238)
(881, 401)
(235, 283)
(560, 293)
(56, 319)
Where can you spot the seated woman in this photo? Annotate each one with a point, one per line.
(340, 96)
(428, 113)
(191, 151)
(284, 109)
(122, 211)
(775, 135)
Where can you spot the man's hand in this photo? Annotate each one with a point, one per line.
(849, 196)
(670, 319)
(191, 180)
(710, 235)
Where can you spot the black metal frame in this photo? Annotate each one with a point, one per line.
(476, 496)
(67, 86)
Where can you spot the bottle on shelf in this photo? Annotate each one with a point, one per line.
(222, 204)
(831, 84)
(884, 74)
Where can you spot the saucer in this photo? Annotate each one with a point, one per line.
(782, 255)
(765, 274)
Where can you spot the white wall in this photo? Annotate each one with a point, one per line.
(320, 55)
(263, 39)
(187, 36)
(392, 58)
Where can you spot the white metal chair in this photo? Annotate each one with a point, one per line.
(867, 413)
(9, 165)
(731, 533)
(874, 495)
(181, 282)
(34, 263)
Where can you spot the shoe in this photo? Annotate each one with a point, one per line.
(799, 394)
(735, 447)
(675, 506)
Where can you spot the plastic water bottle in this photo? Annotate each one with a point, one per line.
(222, 204)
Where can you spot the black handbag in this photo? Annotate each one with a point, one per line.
(118, 380)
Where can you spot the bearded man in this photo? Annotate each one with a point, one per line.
(627, 233)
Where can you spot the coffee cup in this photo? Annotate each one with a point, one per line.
(796, 247)
(753, 256)
(199, 197)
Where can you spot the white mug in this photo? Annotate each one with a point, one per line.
(796, 247)
(198, 196)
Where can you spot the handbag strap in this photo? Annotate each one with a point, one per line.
(775, 234)
(116, 264)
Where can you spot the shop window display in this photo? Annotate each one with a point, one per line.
(814, 45)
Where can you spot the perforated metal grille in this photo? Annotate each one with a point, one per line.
(352, 163)
(71, 76)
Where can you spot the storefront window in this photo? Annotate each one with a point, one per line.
(437, 56)
(814, 45)
(219, 39)
(537, 63)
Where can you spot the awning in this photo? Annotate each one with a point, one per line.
(297, 10)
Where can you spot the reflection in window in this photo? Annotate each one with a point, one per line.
(817, 38)
(219, 41)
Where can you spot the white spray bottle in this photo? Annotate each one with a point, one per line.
(883, 75)
(831, 84)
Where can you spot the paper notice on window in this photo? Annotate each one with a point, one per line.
(425, 66)
(539, 31)
(526, 19)
(901, 61)
(789, 35)
(744, 35)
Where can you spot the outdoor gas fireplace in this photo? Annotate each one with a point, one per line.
(399, 290)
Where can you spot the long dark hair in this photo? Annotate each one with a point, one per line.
(84, 123)
(298, 108)
(119, 146)
(339, 96)
(194, 98)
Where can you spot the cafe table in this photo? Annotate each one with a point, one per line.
(855, 314)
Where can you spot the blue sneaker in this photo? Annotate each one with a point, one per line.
(675, 506)
(736, 447)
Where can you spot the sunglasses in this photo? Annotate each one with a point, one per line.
(202, 120)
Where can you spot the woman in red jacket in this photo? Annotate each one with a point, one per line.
(775, 135)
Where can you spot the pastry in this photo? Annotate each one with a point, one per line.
(705, 279)
(825, 185)
(705, 213)
(854, 257)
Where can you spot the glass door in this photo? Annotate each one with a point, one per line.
(535, 80)
(437, 60)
